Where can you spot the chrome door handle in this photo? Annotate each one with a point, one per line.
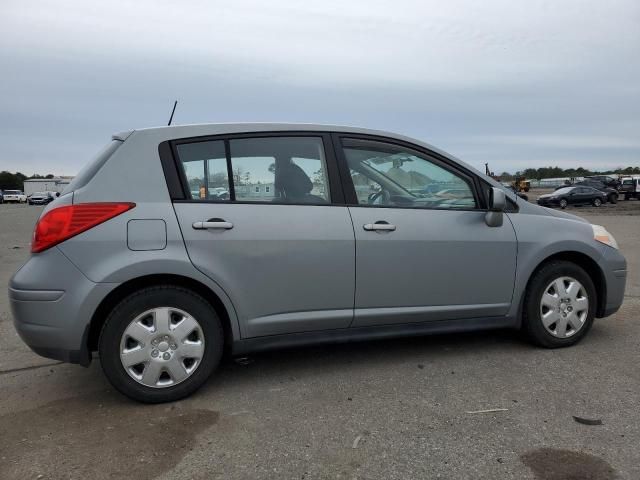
(380, 226)
(213, 224)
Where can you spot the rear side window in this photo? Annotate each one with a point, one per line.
(264, 169)
(89, 171)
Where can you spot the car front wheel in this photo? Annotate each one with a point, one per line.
(161, 344)
(563, 203)
(560, 305)
(597, 202)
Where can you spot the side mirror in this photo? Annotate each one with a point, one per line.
(497, 205)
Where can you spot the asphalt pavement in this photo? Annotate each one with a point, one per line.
(478, 405)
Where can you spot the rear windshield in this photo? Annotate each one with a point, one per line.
(90, 169)
(12, 192)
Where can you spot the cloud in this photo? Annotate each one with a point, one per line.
(507, 81)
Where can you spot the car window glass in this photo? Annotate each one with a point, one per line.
(389, 175)
(205, 168)
(279, 169)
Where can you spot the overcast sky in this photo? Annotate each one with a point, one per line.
(517, 84)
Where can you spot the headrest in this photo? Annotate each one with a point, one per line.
(292, 180)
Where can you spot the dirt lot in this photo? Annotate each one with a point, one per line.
(392, 409)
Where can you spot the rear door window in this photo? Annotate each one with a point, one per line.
(278, 169)
(205, 169)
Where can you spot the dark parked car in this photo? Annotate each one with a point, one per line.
(607, 180)
(574, 195)
(612, 193)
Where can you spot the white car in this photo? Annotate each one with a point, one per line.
(14, 196)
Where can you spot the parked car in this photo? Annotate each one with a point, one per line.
(630, 188)
(573, 196)
(40, 198)
(612, 193)
(14, 196)
(161, 282)
(607, 180)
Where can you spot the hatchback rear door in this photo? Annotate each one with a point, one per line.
(263, 216)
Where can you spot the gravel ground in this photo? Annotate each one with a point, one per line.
(392, 409)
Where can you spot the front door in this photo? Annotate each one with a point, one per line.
(423, 249)
(259, 221)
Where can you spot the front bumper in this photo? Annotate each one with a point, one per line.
(52, 304)
(546, 202)
(614, 267)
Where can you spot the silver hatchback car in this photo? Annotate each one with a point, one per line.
(176, 244)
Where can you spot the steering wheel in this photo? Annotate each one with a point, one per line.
(379, 198)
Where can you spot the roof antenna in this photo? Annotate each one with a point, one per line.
(172, 112)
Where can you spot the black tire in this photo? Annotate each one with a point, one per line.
(139, 302)
(531, 318)
(613, 198)
(597, 202)
(563, 203)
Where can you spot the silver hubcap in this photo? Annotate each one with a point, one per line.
(162, 347)
(564, 307)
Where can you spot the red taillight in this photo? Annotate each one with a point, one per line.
(62, 223)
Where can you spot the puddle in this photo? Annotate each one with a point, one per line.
(557, 464)
(98, 437)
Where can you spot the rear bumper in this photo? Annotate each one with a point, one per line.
(52, 304)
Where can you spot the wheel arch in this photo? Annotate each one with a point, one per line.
(125, 289)
(588, 264)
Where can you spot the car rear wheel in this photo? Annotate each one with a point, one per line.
(597, 202)
(161, 344)
(560, 305)
(563, 203)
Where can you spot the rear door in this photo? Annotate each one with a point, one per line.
(264, 217)
(423, 249)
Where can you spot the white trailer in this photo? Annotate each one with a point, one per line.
(55, 184)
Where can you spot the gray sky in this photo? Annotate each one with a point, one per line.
(516, 83)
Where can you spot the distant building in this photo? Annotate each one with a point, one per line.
(55, 184)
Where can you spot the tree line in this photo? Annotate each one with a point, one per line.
(15, 181)
(557, 172)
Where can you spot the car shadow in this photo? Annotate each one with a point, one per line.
(312, 361)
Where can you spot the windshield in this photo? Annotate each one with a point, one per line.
(563, 191)
(12, 192)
